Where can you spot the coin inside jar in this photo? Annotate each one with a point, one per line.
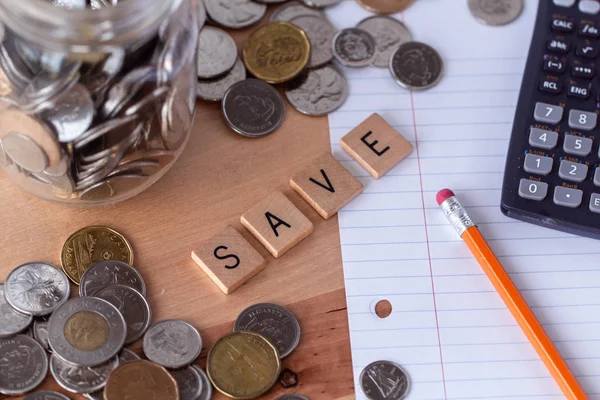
(277, 52)
(416, 66)
(354, 47)
(243, 365)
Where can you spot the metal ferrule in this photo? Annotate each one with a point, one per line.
(457, 215)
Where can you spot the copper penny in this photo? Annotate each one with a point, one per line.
(141, 380)
(385, 6)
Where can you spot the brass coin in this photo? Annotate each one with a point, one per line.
(385, 6)
(243, 365)
(140, 380)
(277, 52)
(86, 331)
(91, 245)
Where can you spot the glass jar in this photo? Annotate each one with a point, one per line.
(95, 104)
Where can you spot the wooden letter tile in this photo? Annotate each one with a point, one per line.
(326, 185)
(277, 224)
(228, 259)
(376, 145)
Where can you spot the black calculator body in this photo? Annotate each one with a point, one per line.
(551, 176)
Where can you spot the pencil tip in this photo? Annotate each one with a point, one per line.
(443, 195)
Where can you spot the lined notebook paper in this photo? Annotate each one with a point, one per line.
(449, 328)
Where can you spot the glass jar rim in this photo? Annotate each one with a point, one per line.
(84, 30)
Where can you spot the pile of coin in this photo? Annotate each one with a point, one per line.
(96, 126)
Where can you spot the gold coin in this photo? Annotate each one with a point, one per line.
(86, 331)
(385, 6)
(141, 380)
(277, 52)
(90, 245)
(243, 365)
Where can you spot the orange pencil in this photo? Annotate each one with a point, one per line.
(468, 231)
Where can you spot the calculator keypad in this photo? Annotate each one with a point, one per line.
(595, 203)
(589, 6)
(582, 120)
(577, 145)
(533, 190)
(567, 197)
(543, 139)
(539, 165)
(572, 171)
(547, 113)
(564, 3)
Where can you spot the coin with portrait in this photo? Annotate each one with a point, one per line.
(319, 92)
(172, 343)
(354, 47)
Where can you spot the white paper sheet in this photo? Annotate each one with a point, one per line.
(449, 328)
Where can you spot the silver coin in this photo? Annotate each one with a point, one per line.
(176, 118)
(72, 114)
(25, 152)
(189, 382)
(111, 272)
(274, 322)
(124, 356)
(320, 32)
(74, 324)
(253, 108)
(270, 1)
(389, 33)
(215, 89)
(201, 14)
(496, 12)
(416, 66)
(36, 288)
(206, 384)
(23, 365)
(40, 332)
(47, 86)
(146, 103)
(292, 397)
(172, 343)
(354, 47)
(132, 305)
(294, 9)
(384, 380)
(112, 131)
(77, 379)
(235, 13)
(319, 92)
(11, 321)
(217, 52)
(121, 93)
(321, 3)
(112, 186)
(45, 395)
(142, 168)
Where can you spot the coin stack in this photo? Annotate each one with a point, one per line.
(92, 127)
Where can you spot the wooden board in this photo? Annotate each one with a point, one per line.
(219, 176)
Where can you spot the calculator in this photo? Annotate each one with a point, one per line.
(551, 176)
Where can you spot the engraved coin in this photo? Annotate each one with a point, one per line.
(189, 382)
(215, 89)
(25, 152)
(141, 380)
(206, 385)
(389, 33)
(172, 343)
(106, 273)
(385, 6)
(132, 305)
(40, 332)
(416, 66)
(320, 32)
(384, 380)
(45, 395)
(11, 321)
(91, 245)
(36, 288)
(321, 3)
(77, 379)
(71, 114)
(86, 331)
(23, 365)
(124, 356)
(292, 397)
(293, 9)
(243, 365)
(274, 322)
(319, 92)
(253, 108)
(217, 52)
(277, 52)
(496, 12)
(235, 13)
(354, 47)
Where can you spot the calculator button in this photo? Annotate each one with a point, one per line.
(572, 171)
(561, 25)
(547, 113)
(553, 86)
(533, 190)
(582, 120)
(586, 71)
(564, 3)
(539, 165)
(587, 50)
(597, 177)
(577, 145)
(543, 139)
(558, 46)
(589, 6)
(595, 203)
(554, 64)
(580, 91)
(589, 30)
(567, 197)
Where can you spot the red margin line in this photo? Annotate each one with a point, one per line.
(437, 326)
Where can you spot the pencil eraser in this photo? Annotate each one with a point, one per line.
(443, 195)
